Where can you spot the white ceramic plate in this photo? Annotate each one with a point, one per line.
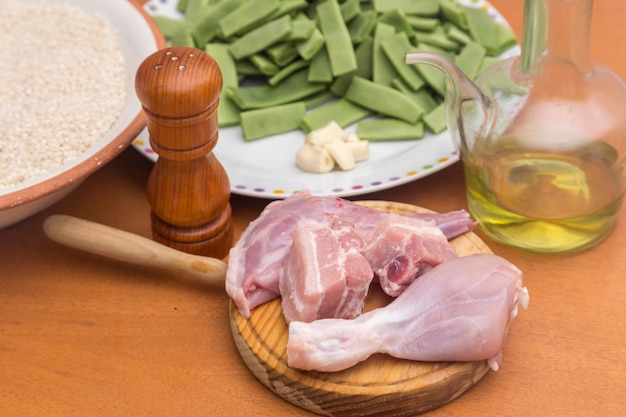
(266, 167)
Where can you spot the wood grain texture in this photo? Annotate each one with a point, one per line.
(188, 189)
(379, 386)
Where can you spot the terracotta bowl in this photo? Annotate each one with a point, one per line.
(140, 38)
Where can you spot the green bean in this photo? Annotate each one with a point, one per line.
(457, 34)
(350, 9)
(484, 29)
(340, 50)
(424, 24)
(433, 76)
(362, 26)
(246, 16)
(293, 88)
(389, 129)
(383, 100)
(363, 55)
(382, 70)
(316, 100)
(395, 47)
(435, 120)
(183, 37)
(421, 97)
(342, 111)
(287, 71)
(320, 70)
(169, 27)
(454, 13)
(310, 47)
(273, 120)
(397, 18)
(437, 38)
(206, 24)
(301, 29)
(470, 59)
(283, 53)
(421, 7)
(313, 51)
(227, 111)
(261, 38)
(265, 65)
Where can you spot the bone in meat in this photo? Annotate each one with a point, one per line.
(254, 263)
(324, 274)
(457, 311)
(400, 249)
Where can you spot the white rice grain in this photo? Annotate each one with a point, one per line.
(62, 86)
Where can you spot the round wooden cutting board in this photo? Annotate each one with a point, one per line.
(379, 386)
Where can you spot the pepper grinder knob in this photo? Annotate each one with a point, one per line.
(188, 189)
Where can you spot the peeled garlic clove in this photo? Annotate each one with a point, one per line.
(311, 158)
(342, 154)
(328, 133)
(360, 149)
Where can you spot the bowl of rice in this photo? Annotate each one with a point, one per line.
(67, 100)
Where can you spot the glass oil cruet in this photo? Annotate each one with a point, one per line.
(542, 135)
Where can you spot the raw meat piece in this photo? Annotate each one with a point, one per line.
(458, 311)
(324, 274)
(401, 248)
(255, 261)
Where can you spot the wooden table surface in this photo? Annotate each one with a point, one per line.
(81, 335)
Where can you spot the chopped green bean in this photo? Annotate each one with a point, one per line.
(421, 7)
(483, 29)
(362, 26)
(169, 27)
(246, 16)
(206, 24)
(293, 88)
(363, 55)
(301, 29)
(340, 50)
(398, 19)
(378, 130)
(309, 52)
(435, 120)
(265, 65)
(350, 9)
(316, 100)
(310, 47)
(395, 47)
(434, 77)
(282, 53)
(287, 71)
(470, 59)
(383, 100)
(342, 111)
(227, 111)
(273, 120)
(454, 13)
(424, 24)
(421, 97)
(382, 70)
(437, 38)
(261, 38)
(320, 70)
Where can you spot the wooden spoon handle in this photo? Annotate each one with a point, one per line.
(124, 246)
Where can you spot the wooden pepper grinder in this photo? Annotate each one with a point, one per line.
(188, 189)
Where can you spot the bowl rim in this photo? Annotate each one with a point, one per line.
(99, 158)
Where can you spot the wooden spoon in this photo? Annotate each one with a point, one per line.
(127, 247)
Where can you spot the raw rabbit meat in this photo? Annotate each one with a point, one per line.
(324, 274)
(457, 311)
(254, 263)
(401, 248)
